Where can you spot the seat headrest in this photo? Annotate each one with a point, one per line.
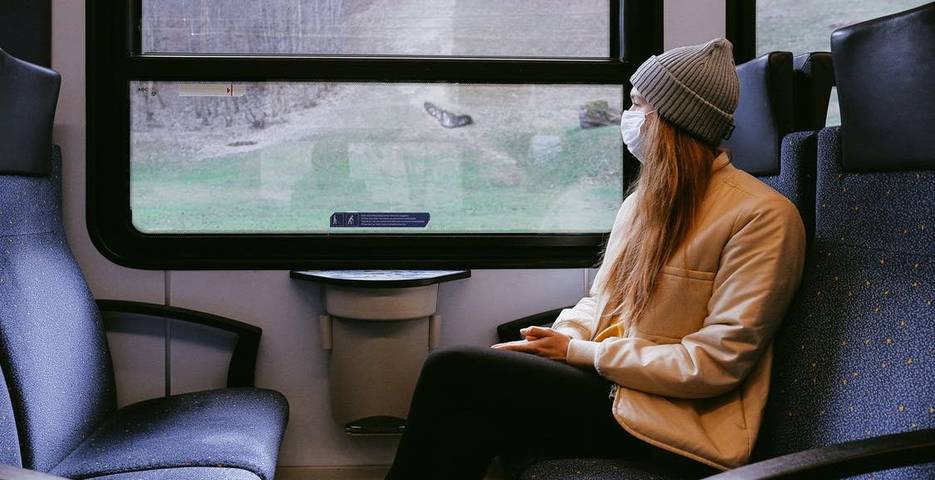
(28, 97)
(764, 114)
(814, 78)
(885, 72)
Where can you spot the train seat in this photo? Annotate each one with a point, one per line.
(238, 427)
(58, 407)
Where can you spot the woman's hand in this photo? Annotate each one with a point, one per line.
(541, 341)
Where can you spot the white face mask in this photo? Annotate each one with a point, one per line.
(631, 122)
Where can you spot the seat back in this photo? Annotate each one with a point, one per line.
(854, 356)
(53, 351)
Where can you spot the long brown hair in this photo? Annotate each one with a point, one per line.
(669, 190)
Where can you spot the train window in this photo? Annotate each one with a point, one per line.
(551, 28)
(324, 133)
(802, 27)
(284, 157)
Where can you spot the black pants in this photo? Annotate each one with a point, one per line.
(474, 403)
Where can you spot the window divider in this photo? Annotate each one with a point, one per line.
(378, 69)
(741, 29)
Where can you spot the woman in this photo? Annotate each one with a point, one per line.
(668, 359)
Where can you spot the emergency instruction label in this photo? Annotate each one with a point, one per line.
(379, 219)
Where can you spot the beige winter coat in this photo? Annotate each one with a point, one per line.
(693, 375)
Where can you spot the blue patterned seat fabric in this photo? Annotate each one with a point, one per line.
(796, 177)
(58, 372)
(9, 443)
(236, 427)
(596, 469)
(54, 353)
(855, 356)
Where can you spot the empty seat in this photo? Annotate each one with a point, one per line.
(234, 427)
(60, 414)
(54, 355)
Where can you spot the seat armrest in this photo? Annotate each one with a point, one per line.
(509, 331)
(844, 459)
(8, 472)
(242, 367)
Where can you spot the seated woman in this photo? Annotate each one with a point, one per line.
(669, 357)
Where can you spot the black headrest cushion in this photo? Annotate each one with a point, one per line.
(764, 114)
(814, 77)
(28, 96)
(885, 73)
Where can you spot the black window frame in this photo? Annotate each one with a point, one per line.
(114, 60)
(740, 29)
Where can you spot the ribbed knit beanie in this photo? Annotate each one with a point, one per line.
(695, 87)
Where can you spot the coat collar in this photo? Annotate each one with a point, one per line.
(720, 161)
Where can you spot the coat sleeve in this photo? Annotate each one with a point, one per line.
(759, 271)
(580, 321)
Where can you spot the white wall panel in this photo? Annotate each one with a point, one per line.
(137, 348)
(199, 357)
(107, 280)
(689, 22)
(472, 308)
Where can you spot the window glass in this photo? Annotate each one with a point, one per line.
(555, 28)
(286, 157)
(801, 27)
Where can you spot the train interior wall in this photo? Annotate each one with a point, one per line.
(290, 358)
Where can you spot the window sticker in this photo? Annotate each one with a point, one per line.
(211, 90)
(379, 219)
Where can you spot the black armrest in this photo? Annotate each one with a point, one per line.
(844, 459)
(241, 371)
(8, 472)
(509, 331)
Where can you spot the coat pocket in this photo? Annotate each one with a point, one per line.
(679, 304)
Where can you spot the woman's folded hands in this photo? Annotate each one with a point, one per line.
(540, 341)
